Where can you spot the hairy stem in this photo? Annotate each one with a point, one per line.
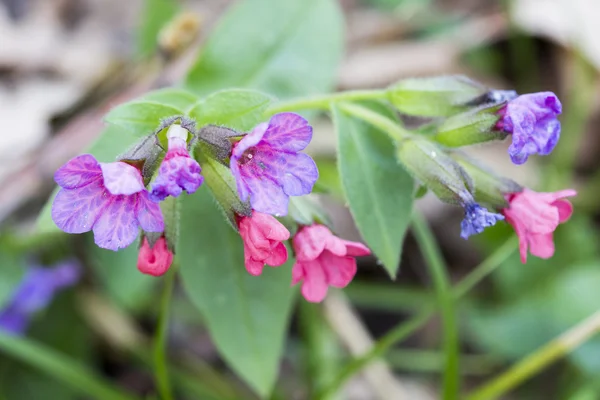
(161, 373)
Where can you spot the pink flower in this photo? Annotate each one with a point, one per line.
(107, 198)
(323, 260)
(263, 236)
(154, 260)
(535, 216)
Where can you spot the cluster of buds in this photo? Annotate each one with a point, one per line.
(466, 113)
(114, 200)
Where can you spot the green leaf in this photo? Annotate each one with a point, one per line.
(286, 48)
(155, 14)
(237, 109)
(142, 116)
(246, 315)
(379, 191)
(117, 271)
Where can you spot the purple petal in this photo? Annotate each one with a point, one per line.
(250, 140)
(148, 214)
(298, 173)
(242, 188)
(175, 175)
(76, 210)
(267, 197)
(121, 178)
(117, 227)
(288, 132)
(477, 219)
(13, 322)
(79, 171)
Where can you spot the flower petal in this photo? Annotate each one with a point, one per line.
(314, 287)
(121, 178)
(76, 210)
(289, 132)
(298, 174)
(117, 227)
(79, 171)
(339, 270)
(250, 140)
(541, 245)
(148, 213)
(278, 256)
(267, 197)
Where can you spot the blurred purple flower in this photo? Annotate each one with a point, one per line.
(477, 218)
(35, 292)
(268, 166)
(532, 121)
(108, 198)
(178, 171)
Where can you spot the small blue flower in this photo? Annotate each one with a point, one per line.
(532, 121)
(34, 293)
(476, 219)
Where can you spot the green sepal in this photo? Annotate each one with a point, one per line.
(471, 127)
(222, 184)
(430, 165)
(440, 96)
(490, 188)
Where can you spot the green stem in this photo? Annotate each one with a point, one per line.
(323, 102)
(404, 330)
(161, 373)
(392, 128)
(446, 302)
(418, 360)
(539, 359)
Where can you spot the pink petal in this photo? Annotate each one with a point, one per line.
(148, 213)
(121, 178)
(541, 245)
(356, 249)
(565, 210)
(297, 273)
(117, 226)
(314, 287)
(76, 210)
(289, 132)
(339, 270)
(254, 267)
(271, 228)
(310, 242)
(79, 171)
(278, 256)
(537, 215)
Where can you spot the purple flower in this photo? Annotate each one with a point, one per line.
(268, 166)
(532, 120)
(178, 171)
(476, 219)
(35, 292)
(107, 198)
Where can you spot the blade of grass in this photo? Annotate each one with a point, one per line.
(62, 368)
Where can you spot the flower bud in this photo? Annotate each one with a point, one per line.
(154, 260)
